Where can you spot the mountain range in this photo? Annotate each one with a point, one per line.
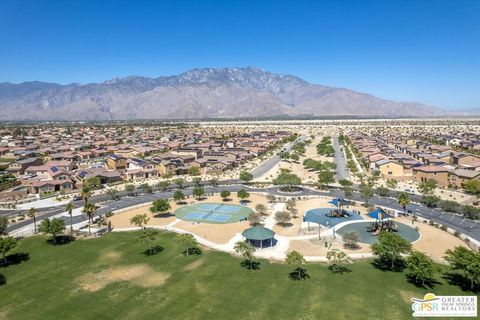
(195, 94)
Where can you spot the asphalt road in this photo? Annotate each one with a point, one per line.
(454, 221)
(269, 164)
(341, 171)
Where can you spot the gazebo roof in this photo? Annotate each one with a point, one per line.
(258, 233)
(379, 214)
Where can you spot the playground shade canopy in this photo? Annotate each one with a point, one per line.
(258, 233)
(338, 202)
(379, 214)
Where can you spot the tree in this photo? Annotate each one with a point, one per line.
(467, 261)
(427, 187)
(242, 194)
(449, 205)
(197, 181)
(295, 157)
(296, 260)
(471, 212)
(287, 179)
(326, 177)
(271, 198)
(261, 208)
(163, 185)
(345, 183)
(246, 176)
(139, 220)
(188, 241)
(146, 188)
(148, 237)
(53, 226)
(198, 192)
(213, 182)
(130, 188)
(430, 201)
(338, 259)
(89, 209)
(351, 238)
(390, 248)
(93, 182)
(225, 194)
(403, 199)
(383, 191)
(283, 217)
(32, 213)
(3, 224)
(160, 206)
(391, 183)
(194, 171)
(472, 186)
(284, 155)
(180, 183)
(85, 193)
(246, 250)
(178, 196)
(69, 208)
(291, 203)
(112, 193)
(366, 192)
(347, 191)
(254, 219)
(420, 268)
(7, 244)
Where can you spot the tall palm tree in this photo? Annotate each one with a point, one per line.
(89, 209)
(403, 200)
(69, 208)
(32, 213)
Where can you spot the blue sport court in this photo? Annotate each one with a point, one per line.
(213, 213)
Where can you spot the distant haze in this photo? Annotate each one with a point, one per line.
(195, 94)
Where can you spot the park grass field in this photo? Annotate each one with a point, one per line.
(110, 278)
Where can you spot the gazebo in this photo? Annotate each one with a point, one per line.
(258, 234)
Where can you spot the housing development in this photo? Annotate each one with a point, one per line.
(335, 192)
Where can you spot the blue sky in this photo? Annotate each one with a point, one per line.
(426, 51)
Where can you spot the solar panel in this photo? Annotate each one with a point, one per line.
(54, 168)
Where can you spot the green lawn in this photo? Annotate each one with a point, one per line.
(210, 286)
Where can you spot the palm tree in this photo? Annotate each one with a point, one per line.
(85, 193)
(403, 199)
(89, 209)
(69, 208)
(32, 213)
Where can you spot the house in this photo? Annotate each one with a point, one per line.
(47, 178)
(437, 173)
(461, 158)
(458, 177)
(18, 167)
(105, 176)
(390, 169)
(116, 162)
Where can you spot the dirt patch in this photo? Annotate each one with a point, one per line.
(110, 256)
(194, 265)
(407, 295)
(3, 315)
(139, 274)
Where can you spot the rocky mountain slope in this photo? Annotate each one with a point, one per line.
(198, 93)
